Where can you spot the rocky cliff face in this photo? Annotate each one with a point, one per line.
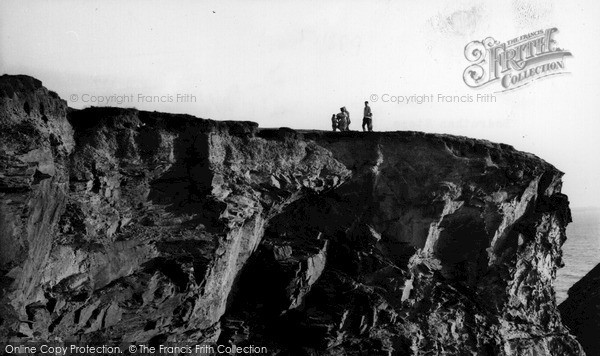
(581, 311)
(123, 225)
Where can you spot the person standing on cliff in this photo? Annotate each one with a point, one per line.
(334, 122)
(345, 111)
(342, 120)
(367, 118)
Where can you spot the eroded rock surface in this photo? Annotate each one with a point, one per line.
(581, 311)
(123, 225)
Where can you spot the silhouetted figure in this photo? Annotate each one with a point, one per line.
(342, 120)
(334, 122)
(345, 111)
(367, 118)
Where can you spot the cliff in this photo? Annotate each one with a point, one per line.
(581, 311)
(124, 225)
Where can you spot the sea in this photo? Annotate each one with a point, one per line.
(581, 251)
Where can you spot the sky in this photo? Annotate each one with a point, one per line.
(293, 64)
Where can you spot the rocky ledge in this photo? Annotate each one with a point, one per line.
(123, 225)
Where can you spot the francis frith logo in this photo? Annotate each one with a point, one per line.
(516, 62)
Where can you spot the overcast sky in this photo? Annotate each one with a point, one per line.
(283, 63)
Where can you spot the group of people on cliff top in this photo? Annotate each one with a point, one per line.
(341, 121)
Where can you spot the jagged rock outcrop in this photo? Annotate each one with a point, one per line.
(581, 311)
(127, 225)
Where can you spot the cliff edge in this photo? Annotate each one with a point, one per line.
(123, 225)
